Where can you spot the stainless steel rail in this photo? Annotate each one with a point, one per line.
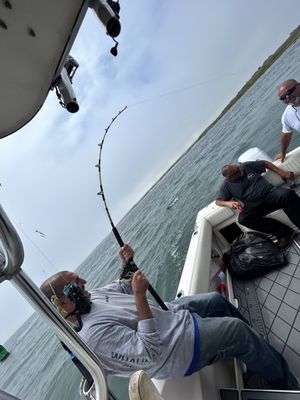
(12, 259)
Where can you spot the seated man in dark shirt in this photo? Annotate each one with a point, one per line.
(244, 184)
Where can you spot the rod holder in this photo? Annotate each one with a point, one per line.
(107, 16)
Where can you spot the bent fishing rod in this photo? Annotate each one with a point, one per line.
(130, 267)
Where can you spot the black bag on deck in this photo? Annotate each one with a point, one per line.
(253, 254)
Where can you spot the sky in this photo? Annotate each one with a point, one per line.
(179, 64)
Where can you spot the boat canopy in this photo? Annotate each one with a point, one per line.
(35, 38)
(35, 41)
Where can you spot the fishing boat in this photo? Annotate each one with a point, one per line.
(4, 353)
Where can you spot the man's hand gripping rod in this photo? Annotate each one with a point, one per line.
(130, 266)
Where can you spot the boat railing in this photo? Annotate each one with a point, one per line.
(11, 259)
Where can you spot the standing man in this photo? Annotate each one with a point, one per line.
(243, 182)
(289, 93)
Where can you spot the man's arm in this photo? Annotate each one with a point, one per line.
(285, 175)
(139, 286)
(231, 204)
(224, 193)
(284, 144)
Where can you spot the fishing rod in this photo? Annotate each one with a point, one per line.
(130, 267)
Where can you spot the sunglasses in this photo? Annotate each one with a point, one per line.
(288, 92)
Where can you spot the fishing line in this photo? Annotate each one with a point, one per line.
(130, 266)
(178, 90)
(36, 247)
(34, 244)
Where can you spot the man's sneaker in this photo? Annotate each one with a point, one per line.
(142, 388)
(284, 242)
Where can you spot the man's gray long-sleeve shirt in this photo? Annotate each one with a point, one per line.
(162, 346)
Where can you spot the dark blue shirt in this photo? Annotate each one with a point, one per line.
(250, 187)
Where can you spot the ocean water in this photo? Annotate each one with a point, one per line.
(38, 368)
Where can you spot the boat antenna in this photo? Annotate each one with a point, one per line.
(130, 267)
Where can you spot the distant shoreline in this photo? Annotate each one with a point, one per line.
(294, 35)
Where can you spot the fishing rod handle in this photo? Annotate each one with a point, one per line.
(117, 236)
(157, 298)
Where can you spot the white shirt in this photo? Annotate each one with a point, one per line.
(291, 119)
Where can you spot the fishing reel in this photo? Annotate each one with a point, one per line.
(108, 13)
(128, 271)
